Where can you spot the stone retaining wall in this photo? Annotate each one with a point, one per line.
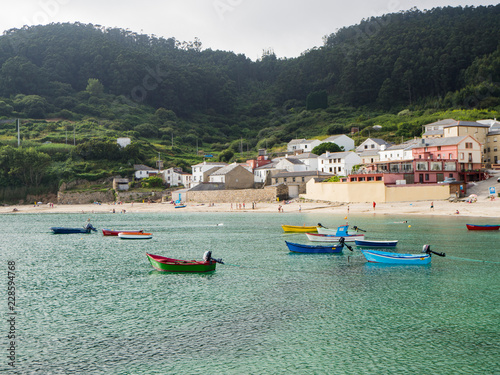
(129, 196)
(268, 194)
(85, 197)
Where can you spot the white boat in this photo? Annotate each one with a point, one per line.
(316, 237)
(135, 236)
(341, 232)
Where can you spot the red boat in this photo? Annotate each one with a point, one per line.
(110, 232)
(482, 227)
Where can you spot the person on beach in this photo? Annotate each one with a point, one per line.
(432, 206)
(374, 204)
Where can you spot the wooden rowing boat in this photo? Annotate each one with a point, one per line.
(482, 227)
(368, 243)
(135, 236)
(299, 228)
(112, 232)
(164, 264)
(376, 256)
(64, 230)
(313, 249)
(341, 233)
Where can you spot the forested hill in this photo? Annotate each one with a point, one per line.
(434, 58)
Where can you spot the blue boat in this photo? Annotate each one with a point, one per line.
(63, 230)
(311, 249)
(366, 243)
(376, 256)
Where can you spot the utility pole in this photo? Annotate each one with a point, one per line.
(18, 133)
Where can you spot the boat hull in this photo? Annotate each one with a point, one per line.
(134, 236)
(311, 249)
(62, 230)
(164, 264)
(299, 229)
(367, 243)
(110, 232)
(375, 256)
(323, 230)
(316, 237)
(482, 227)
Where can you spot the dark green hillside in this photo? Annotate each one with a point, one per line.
(180, 100)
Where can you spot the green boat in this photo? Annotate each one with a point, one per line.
(164, 264)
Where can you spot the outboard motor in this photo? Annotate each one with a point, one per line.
(207, 257)
(427, 249)
(342, 243)
(319, 225)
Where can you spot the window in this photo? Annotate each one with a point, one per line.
(427, 177)
(494, 149)
(303, 179)
(293, 179)
(450, 156)
(421, 166)
(366, 146)
(439, 148)
(435, 166)
(461, 156)
(284, 180)
(468, 144)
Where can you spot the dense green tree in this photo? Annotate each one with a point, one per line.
(327, 146)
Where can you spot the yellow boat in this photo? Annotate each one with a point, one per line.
(299, 229)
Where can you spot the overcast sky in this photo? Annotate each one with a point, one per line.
(243, 26)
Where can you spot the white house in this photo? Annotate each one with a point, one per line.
(123, 142)
(339, 163)
(291, 164)
(143, 171)
(294, 144)
(372, 144)
(341, 140)
(175, 177)
(309, 159)
(201, 171)
(402, 151)
(264, 173)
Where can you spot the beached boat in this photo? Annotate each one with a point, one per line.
(165, 264)
(340, 233)
(368, 243)
(324, 230)
(112, 232)
(313, 249)
(135, 236)
(377, 256)
(482, 227)
(299, 228)
(64, 230)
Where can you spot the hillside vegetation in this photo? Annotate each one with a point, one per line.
(78, 87)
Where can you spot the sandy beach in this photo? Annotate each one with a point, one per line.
(483, 207)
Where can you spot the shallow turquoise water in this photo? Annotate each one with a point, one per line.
(90, 304)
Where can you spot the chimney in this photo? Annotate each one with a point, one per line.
(328, 154)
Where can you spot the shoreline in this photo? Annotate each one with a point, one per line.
(483, 207)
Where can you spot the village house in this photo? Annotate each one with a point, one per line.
(143, 171)
(233, 176)
(338, 163)
(175, 176)
(372, 144)
(202, 171)
(402, 151)
(296, 181)
(341, 140)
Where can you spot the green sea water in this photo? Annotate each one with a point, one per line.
(88, 304)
